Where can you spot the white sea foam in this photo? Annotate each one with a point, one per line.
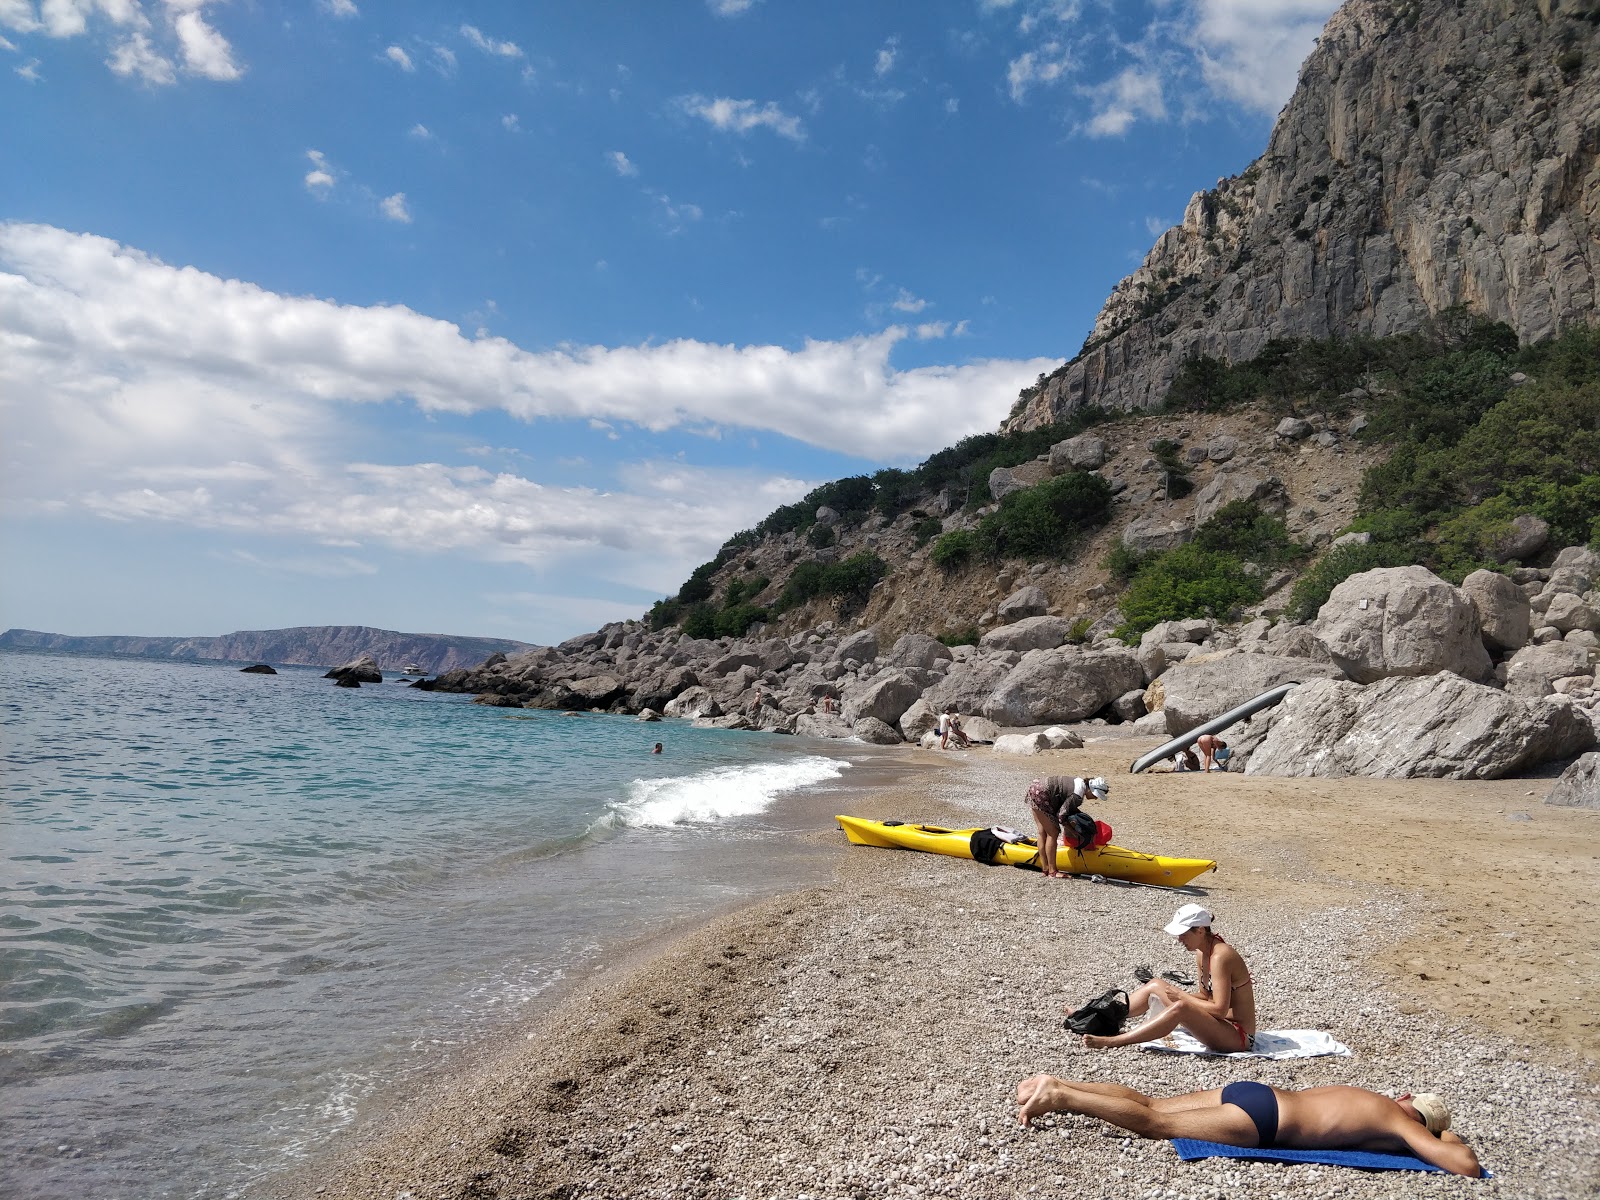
(713, 796)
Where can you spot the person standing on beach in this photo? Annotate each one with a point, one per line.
(1246, 1113)
(1050, 802)
(1221, 1014)
(1208, 744)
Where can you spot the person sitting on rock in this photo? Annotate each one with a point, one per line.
(953, 729)
(1221, 1014)
(1246, 1113)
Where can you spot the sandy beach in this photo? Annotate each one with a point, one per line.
(865, 1038)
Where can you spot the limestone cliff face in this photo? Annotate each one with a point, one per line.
(1434, 154)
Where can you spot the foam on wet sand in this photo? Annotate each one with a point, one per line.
(866, 1038)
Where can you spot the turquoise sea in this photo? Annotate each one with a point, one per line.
(239, 912)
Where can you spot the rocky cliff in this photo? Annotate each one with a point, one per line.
(307, 646)
(1434, 155)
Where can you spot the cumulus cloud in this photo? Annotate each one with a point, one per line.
(619, 162)
(1120, 101)
(1251, 50)
(729, 8)
(340, 8)
(886, 57)
(741, 116)
(489, 45)
(319, 180)
(399, 58)
(907, 303)
(511, 122)
(136, 56)
(394, 207)
(205, 51)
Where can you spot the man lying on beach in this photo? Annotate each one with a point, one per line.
(1222, 1015)
(1252, 1114)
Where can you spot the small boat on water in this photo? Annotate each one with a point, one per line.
(1112, 862)
(412, 669)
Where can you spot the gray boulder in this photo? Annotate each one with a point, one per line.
(1129, 706)
(1580, 558)
(1220, 447)
(1027, 601)
(1533, 670)
(1062, 685)
(1579, 785)
(917, 720)
(693, 702)
(1293, 429)
(1527, 536)
(884, 699)
(1265, 490)
(1567, 612)
(879, 733)
(1148, 535)
(1401, 621)
(361, 670)
(968, 684)
(1504, 618)
(1021, 743)
(1082, 453)
(1005, 480)
(1206, 686)
(1030, 633)
(1194, 629)
(820, 725)
(917, 650)
(1438, 726)
(861, 646)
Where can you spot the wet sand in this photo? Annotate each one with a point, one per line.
(864, 1038)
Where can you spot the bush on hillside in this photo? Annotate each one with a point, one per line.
(1312, 590)
(1243, 530)
(1047, 520)
(954, 549)
(849, 581)
(1182, 583)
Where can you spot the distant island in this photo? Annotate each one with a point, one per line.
(303, 646)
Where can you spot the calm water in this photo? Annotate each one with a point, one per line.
(235, 908)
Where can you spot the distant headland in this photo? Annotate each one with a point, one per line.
(302, 646)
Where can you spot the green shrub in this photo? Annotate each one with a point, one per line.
(954, 549)
(1317, 584)
(700, 621)
(736, 619)
(965, 637)
(1123, 561)
(1078, 631)
(1048, 520)
(926, 529)
(1186, 582)
(849, 581)
(1243, 530)
(1174, 468)
(821, 536)
(740, 590)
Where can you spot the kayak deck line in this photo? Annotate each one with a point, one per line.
(1112, 862)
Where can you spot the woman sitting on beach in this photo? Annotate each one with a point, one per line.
(1222, 1014)
(1052, 801)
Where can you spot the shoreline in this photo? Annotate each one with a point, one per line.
(863, 1037)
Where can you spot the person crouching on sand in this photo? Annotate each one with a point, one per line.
(1222, 1014)
(1247, 1113)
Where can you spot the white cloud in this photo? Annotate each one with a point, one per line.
(398, 56)
(394, 207)
(136, 56)
(421, 132)
(1251, 50)
(1050, 63)
(1119, 102)
(205, 51)
(340, 8)
(489, 45)
(30, 70)
(886, 56)
(619, 162)
(741, 116)
(512, 123)
(729, 8)
(907, 303)
(319, 180)
(952, 105)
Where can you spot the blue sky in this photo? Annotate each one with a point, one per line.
(498, 319)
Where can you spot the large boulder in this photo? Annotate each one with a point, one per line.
(1504, 619)
(821, 725)
(917, 650)
(861, 646)
(1086, 452)
(884, 699)
(1062, 685)
(1525, 537)
(1150, 535)
(1567, 612)
(1021, 743)
(1579, 785)
(359, 670)
(879, 733)
(1438, 726)
(1029, 601)
(917, 720)
(1030, 633)
(1401, 621)
(1533, 670)
(968, 684)
(1208, 685)
(592, 691)
(1228, 486)
(693, 702)
(1005, 480)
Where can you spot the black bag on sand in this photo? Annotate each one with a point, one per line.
(1102, 1016)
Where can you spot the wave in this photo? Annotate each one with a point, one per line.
(710, 797)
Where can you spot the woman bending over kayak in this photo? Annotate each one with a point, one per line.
(1222, 1013)
(1051, 801)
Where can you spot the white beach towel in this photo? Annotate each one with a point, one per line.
(1270, 1043)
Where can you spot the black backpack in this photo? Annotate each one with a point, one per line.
(1079, 829)
(1102, 1016)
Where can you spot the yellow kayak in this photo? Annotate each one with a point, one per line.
(1113, 862)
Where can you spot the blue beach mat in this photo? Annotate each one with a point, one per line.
(1190, 1149)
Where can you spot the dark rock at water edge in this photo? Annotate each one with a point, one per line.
(361, 670)
(345, 681)
(258, 669)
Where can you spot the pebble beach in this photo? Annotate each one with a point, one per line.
(865, 1038)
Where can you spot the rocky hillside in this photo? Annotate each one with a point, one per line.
(304, 646)
(1433, 156)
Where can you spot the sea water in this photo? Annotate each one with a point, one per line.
(237, 910)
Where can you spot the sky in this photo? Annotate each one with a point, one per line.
(500, 318)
